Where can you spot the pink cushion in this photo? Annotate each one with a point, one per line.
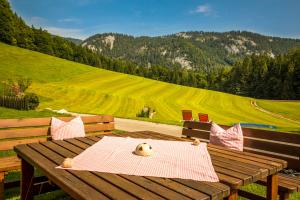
(231, 138)
(62, 130)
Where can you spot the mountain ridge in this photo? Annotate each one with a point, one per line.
(196, 50)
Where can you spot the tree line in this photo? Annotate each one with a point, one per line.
(257, 76)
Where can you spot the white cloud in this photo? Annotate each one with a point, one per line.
(67, 32)
(69, 20)
(203, 9)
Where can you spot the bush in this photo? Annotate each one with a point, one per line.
(146, 112)
(32, 101)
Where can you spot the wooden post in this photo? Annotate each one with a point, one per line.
(2, 174)
(272, 187)
(284, 195)
(27, 180)
(233, 195)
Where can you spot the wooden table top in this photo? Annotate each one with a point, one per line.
(233, 168)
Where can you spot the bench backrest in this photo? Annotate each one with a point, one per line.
(281, 145)
(23, 131)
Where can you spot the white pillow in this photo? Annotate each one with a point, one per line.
(63, 130)
(231, 138)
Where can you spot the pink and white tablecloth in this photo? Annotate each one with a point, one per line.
(171, 159)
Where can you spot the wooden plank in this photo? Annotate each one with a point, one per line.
(272, 187)
(99, 127)
(271, 169)
(62, 178)
(290, 179)
(254, 174)
(291, 163)
(213, 192)
(272, 135)
(154, 187)
(9, 145)
(196, 133)
(45, 131)
(194, 194)
(77, 143)
(273, 146)
(238, 167)
(26, 180)
(25, 132)
(9, 163)
(258, 172)
(49, 150)
(197, 125)
(86, 141)
(251, 154)
(245, 178)
(277, 165)
(30, 122)
(232, 182)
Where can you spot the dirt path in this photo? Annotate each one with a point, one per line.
(254, 104)
(137, 125)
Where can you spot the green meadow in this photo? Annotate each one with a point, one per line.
(62, 84)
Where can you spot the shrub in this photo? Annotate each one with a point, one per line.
(32, 101)
(146, 112)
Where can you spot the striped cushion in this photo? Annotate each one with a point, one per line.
(62, 130)
(231, 138)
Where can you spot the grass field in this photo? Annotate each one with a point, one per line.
(289, 109)
(80, 88)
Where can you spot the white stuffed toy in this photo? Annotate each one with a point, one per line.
(196, 142)
(143, 149)
(67, 163)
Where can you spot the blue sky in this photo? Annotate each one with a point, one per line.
(83, 18)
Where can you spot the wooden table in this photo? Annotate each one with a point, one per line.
(234, 169)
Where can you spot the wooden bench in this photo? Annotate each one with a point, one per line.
(23, 131)
(280, 145)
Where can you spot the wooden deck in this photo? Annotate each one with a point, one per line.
(234, 169)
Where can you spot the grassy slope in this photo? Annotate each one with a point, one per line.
(80, 88)
(289, 109)
(6, 113)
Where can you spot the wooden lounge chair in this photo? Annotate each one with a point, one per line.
(280, 145)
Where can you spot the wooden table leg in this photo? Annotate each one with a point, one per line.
(284, 196)
(272, 187)
(2, 174)
(26, 180)
(233, 195)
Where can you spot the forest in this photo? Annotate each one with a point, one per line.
(259, 76)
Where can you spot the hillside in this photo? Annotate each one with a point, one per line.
(191, 50)
(81, 88)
